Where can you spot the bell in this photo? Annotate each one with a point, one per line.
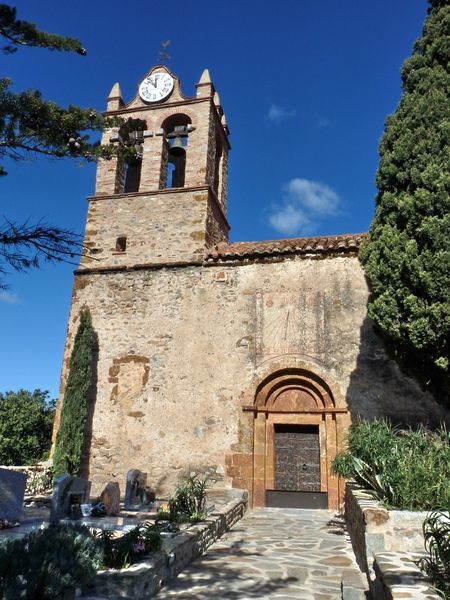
(176, 146)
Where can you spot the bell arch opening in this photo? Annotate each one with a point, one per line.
(128, 173)
(298, 428)
(176, 131)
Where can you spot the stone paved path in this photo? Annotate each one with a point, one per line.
(274, 553)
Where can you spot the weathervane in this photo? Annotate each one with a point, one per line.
(163, 54)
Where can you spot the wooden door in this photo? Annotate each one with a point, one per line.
(297, 468)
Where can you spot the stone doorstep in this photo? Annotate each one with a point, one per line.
(397, 576)
(153, 572)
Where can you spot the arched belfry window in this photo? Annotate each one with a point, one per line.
(176, 157)
(131, 136)
(132, 177)
(176, 130)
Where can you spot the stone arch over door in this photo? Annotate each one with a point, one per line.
(297, 397)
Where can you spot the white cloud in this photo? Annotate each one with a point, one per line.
(305, 203)
(290, 219)
(278, 114)
(318, 198)
(9, 297)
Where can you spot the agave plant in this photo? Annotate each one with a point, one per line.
(436, 531)
(406, 469)
(189, 501)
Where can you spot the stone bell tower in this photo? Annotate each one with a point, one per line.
(169, 202)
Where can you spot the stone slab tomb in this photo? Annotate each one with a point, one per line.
(68, 495)
(137, 494)
(110, 497)
(12, 491)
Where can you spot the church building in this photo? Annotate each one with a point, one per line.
(244, 361)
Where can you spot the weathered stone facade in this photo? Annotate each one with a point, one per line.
(204, 346)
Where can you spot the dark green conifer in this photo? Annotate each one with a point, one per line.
(407, 254)
(70, 437)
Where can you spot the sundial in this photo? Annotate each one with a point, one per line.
(290, 323)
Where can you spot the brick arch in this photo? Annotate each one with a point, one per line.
(294, 378)
(297, 395)
(174, 119)
(172, 114)
(313, 370)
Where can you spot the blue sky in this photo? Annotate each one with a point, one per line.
(305, 84)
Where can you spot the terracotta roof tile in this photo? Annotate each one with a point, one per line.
(323, 245)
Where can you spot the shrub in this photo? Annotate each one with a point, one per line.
(189, 501)
(39, 480)
(436, 531)
(405, 469)
(121, 552)
(26, 420)
(47, 563)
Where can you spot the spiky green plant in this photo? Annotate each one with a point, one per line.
(189, 500)
(407, 469)
(436, 531)
(121, 552)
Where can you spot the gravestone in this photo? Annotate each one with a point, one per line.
(12, 491)
(135, 490)
(67, 496)
(111, 498)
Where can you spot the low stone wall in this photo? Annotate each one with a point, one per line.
(374, 529)
(38, 476)
(144, 579)
(29, 469)
(398, 577)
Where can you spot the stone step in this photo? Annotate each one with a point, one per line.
(355, 587)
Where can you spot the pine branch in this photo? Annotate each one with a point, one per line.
(31, 125)
(24, 33)
(12, 149)
(25, 245)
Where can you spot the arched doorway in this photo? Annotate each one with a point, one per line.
(298, 427)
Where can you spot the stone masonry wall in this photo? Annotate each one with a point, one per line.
(397, 577)
(374, 529)
(182, 348)
(176, 230)
(145, 578)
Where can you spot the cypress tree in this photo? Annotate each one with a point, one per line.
(70, 437)
(407, 253)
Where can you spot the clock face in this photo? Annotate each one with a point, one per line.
(156, 87)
